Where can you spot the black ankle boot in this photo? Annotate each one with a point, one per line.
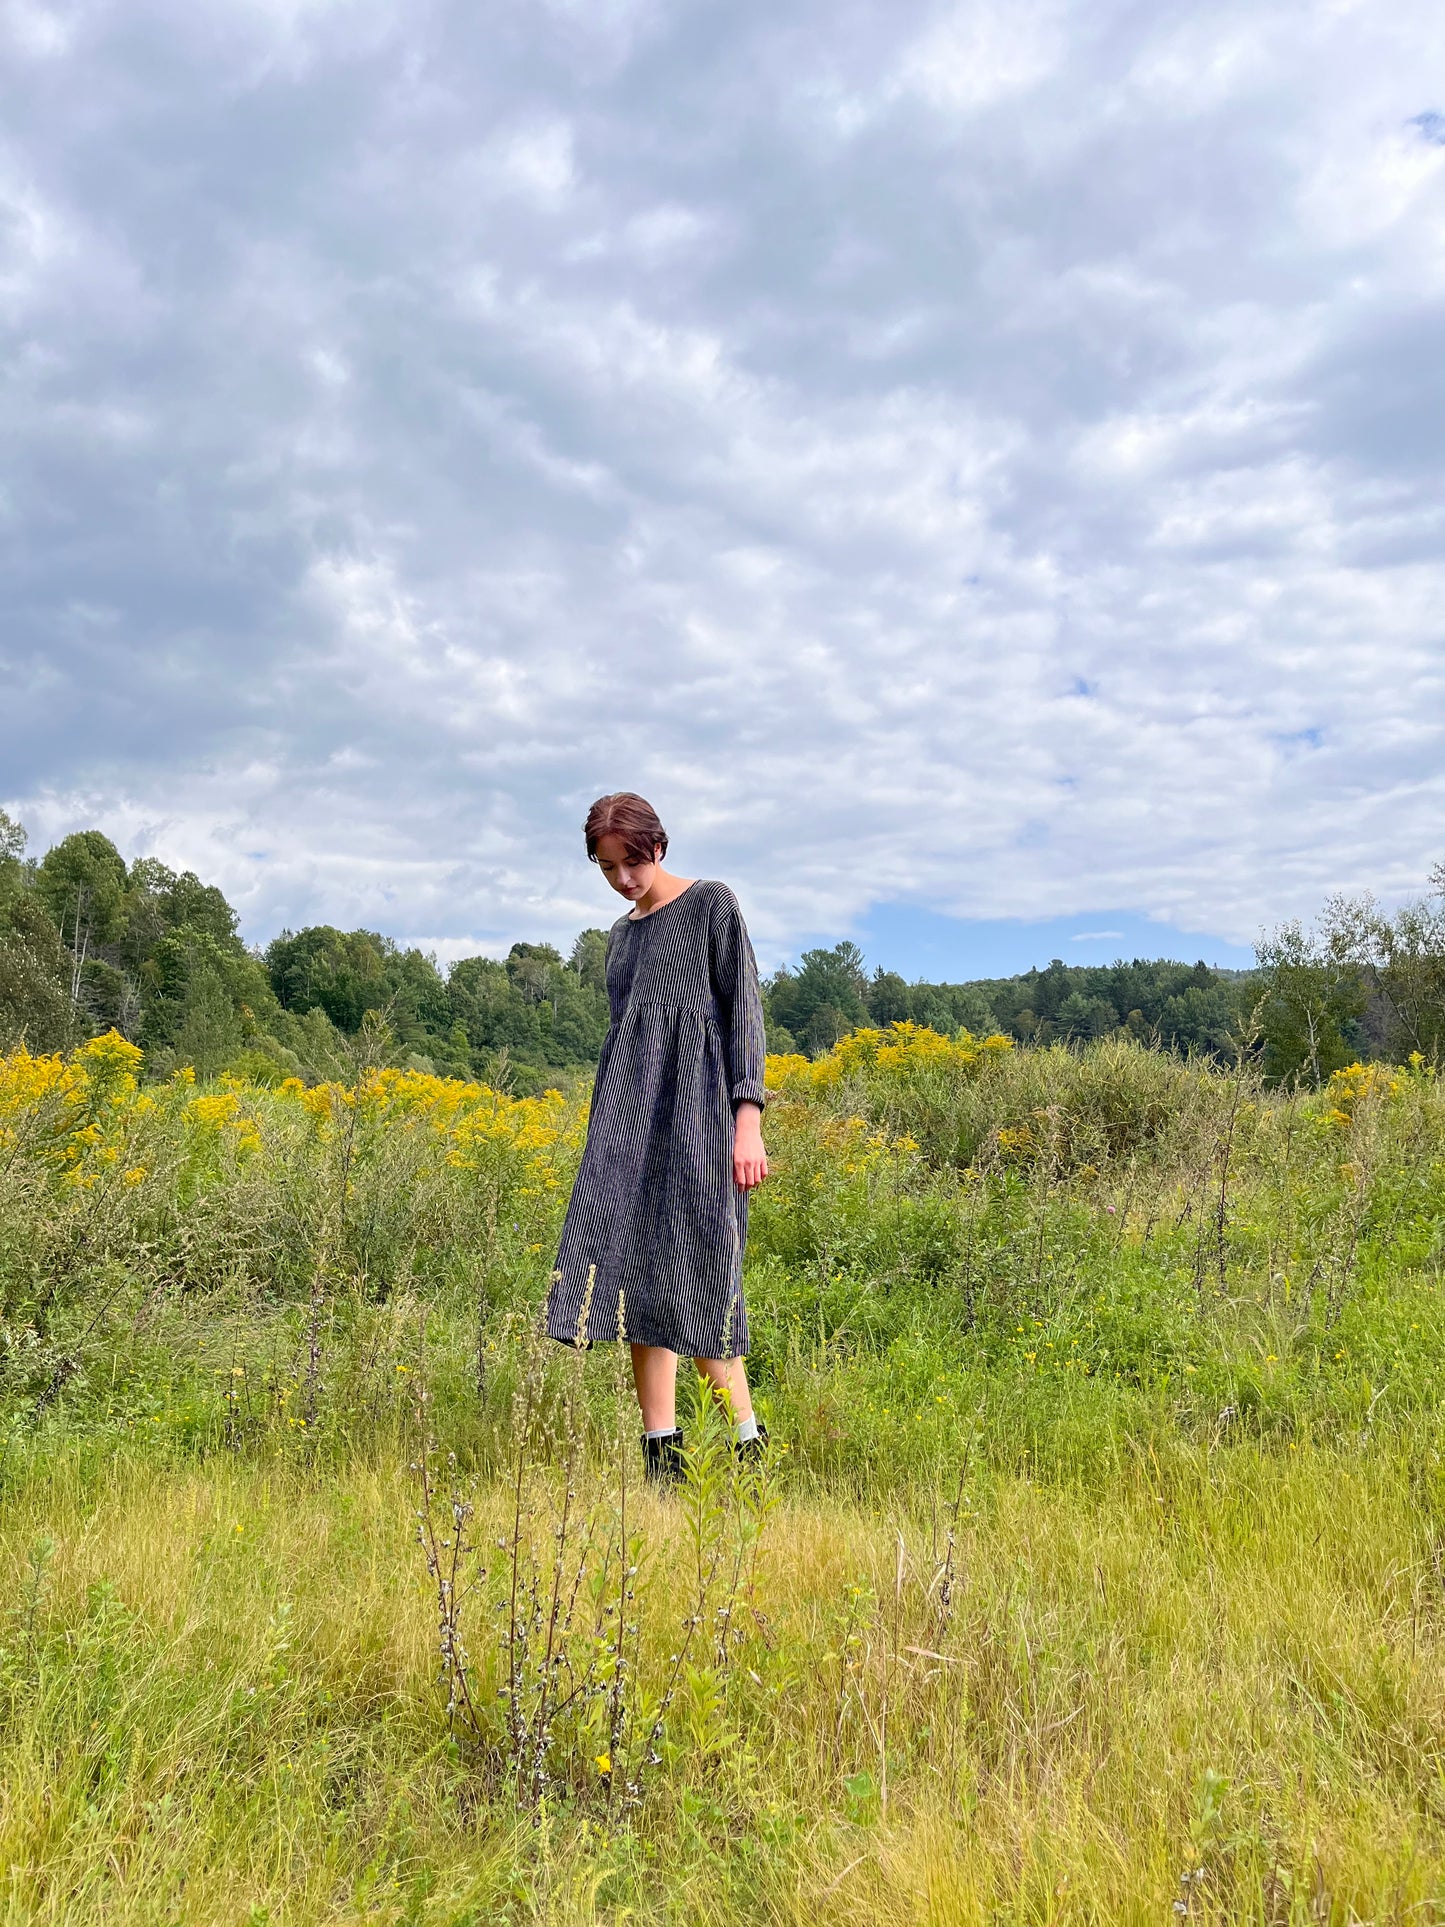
(749, 1451)
(662, 1458)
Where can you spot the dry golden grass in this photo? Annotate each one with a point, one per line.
(221, 1705)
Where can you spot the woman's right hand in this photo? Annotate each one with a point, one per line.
(750, 1160)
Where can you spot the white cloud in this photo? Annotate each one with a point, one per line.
(536, 160)
(971, 456)
(36, 32)
(982, 52)
(33, 241)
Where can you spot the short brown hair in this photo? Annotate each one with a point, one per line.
(631, 817)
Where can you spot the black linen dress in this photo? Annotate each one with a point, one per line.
(652, 1248)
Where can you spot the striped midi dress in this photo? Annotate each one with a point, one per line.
(652, 1247)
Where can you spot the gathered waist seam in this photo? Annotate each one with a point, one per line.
(697, 1009)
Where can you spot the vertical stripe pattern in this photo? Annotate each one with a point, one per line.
(652, 1247)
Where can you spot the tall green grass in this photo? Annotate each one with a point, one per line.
(1102, 1547)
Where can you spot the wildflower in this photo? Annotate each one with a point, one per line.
(603, 1763)
(111, 1057)
(1355, 1083)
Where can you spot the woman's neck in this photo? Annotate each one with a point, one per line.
(664, 887)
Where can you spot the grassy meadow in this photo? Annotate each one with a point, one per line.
(1096, 1573)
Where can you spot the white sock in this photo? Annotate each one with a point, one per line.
(746, 1430)
(665, 1433)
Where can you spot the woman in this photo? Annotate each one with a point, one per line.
(652, 1249)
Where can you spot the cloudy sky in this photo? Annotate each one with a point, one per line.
(977, 467)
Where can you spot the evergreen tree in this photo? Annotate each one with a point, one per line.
(823, 999)
(1201, 1020)
(1080, 1018)
(81, 882)
(589, 959)
(36, 1006)
(890, 1000)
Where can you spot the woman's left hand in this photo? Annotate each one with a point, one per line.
(750, 1160)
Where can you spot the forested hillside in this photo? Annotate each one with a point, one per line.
(1182, 1006)
(90, 943)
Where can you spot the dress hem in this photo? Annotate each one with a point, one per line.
(633, 1338)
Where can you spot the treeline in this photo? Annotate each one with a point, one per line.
(1358, 984)
(88, 942)
(1187, 1008)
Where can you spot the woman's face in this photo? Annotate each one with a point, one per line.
(629, 876)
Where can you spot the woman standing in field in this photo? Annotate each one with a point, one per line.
(652, 1248)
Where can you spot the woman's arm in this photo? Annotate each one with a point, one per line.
(750, 1160)
(740, 1004)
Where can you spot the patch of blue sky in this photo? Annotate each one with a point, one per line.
(1294, 739)
(925, 944)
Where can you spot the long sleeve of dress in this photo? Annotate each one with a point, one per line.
(740, 1004)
